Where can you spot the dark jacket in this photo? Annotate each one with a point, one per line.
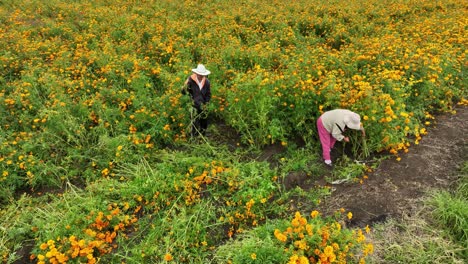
(199, 96)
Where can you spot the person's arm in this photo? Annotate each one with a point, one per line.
(337, 133)
(186, 86)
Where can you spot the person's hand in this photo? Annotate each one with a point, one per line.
(363, 133)
(346, 139)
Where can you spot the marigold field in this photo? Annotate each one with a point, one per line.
(96, 161)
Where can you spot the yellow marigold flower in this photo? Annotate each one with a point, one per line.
(328, 251)
(303, 260)
(250, 203)
(280, 236)
(295, 222)
(369, 249)
(293, 259)
(338, 226)
(350, 215)
(360, 237)
(81, 243)
(43, 246)
(105, 172)
(62, 258)
(253, 256)
(300, 244)
(314, 213)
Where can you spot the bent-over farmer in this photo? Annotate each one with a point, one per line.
(331, 126)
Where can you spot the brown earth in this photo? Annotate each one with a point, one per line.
(393, 187)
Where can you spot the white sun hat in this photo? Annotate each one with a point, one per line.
(353, 121)
(201, 70)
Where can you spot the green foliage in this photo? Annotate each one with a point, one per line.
(17, 229)
(451, 211)
(259, 241)
(300, 159)
(462, 189)
(346, 170)
(303, 238)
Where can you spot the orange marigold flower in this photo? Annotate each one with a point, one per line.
(168, 257)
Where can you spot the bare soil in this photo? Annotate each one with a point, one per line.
(393, 188)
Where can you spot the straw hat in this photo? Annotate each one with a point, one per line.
(201, 70)
(353, 121)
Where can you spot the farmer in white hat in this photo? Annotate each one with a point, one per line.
(331, 126)
(198, 86)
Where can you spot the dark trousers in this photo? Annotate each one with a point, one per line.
(200, 122)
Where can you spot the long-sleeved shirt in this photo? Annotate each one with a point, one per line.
(200, 91)
(334, 123)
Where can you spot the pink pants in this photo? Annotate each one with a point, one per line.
(326, 140)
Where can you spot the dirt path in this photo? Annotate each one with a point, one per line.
(395, 186)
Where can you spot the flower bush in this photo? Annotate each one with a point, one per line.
(303, 239)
